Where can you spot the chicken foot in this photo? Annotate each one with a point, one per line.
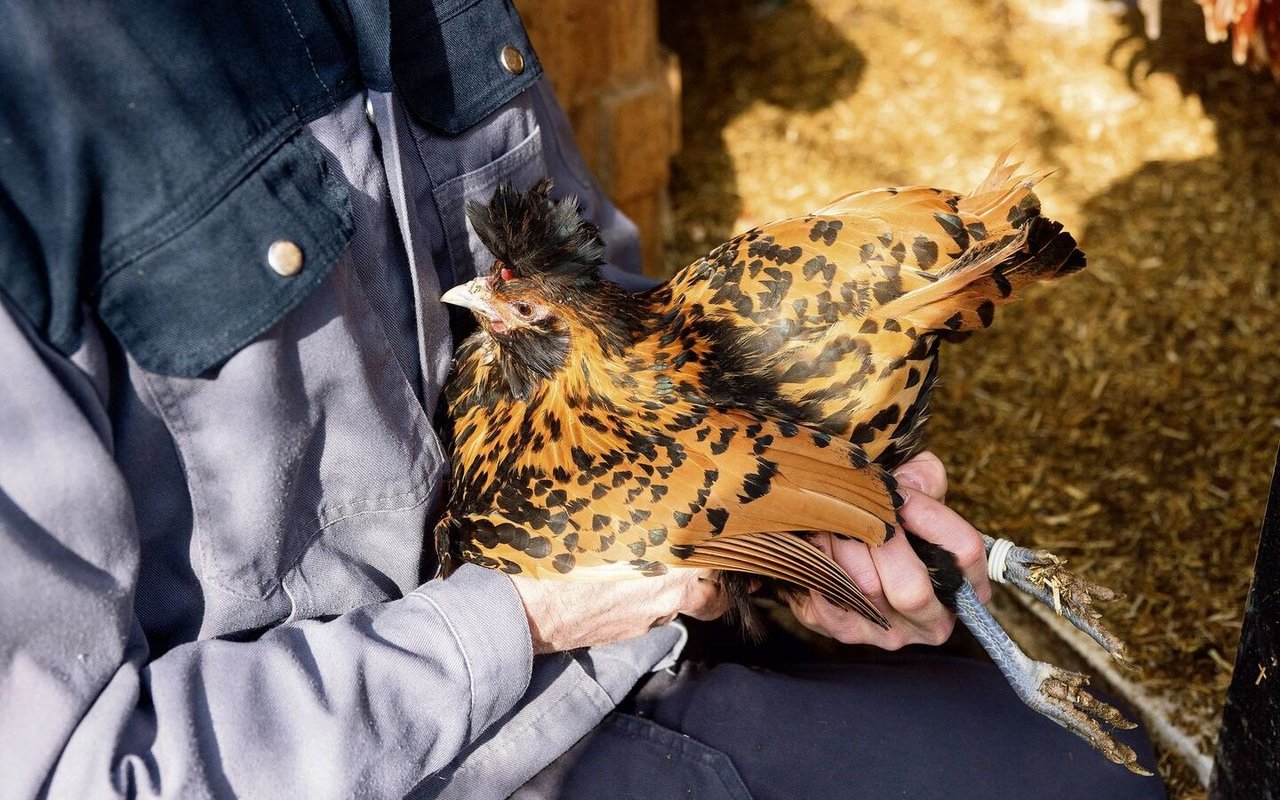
(1051, 691)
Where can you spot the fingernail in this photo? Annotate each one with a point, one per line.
(909, 478)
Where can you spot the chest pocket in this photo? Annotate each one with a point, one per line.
(307, 458)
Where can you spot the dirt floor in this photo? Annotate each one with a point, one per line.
(1127, 418)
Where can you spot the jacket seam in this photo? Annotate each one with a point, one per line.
(466, 661)
(306, 49)
(461, 8)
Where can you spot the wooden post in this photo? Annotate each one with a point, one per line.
(1248, 762)
(621, 92)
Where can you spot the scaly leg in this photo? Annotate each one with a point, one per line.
(1049, 690)
(1045, 577)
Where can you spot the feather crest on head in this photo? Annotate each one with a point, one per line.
(533, 235)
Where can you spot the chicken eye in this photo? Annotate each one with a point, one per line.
(523, 310)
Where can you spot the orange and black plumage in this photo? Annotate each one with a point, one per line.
(764, 390)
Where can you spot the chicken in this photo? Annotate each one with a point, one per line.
(764, 391)
(1254, 26)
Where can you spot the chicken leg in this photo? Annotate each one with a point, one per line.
(1051, 691)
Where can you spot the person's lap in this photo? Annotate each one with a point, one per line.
(905, 725)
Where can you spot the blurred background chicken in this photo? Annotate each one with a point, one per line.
(1253, 25)
(764, 391)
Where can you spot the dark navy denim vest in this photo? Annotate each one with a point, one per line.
(151, 152)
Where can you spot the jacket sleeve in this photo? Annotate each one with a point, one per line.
(367, 703)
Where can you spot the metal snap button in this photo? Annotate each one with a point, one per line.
(368, 108)
(285, 258)
(512, 60)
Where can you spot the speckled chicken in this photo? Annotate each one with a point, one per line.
(764, 391)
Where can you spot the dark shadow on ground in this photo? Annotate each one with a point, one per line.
(1189, 274)
(734, 53)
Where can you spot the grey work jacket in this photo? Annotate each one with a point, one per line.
(212, 556)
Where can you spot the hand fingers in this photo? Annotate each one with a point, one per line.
(931, 520)
(925, 473)
(816, 613)
(909, 591)
(697, 593)
(704, 596)
(657, 600)
(899, 587)
(855, 559)
(567, 615)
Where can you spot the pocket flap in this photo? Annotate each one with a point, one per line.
(446, 57)
(187, 304)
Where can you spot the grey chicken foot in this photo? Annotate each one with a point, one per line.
(1044, 576)
(1046, 689)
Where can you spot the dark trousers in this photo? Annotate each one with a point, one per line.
(917, 725)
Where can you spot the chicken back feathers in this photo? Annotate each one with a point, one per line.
(763, 391)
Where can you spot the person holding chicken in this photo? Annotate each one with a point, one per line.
(225, 232)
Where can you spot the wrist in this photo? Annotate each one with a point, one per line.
(539, 612)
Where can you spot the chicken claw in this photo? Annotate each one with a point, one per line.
(1062, 698)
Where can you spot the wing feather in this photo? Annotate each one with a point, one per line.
(681, 499)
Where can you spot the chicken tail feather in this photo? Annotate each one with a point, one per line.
(965, 296)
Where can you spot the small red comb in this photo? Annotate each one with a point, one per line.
(506, 274)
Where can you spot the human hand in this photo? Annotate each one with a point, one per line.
(564, 615)
(893, 577)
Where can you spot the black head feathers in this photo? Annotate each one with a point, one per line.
(531, 234)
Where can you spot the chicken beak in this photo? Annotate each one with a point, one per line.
(473, 295)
